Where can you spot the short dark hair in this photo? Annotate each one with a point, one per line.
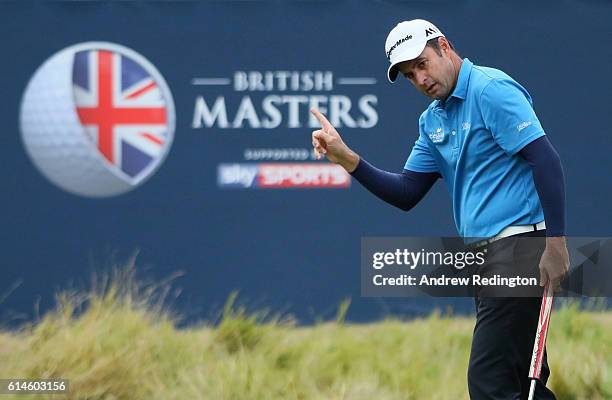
(433, 43)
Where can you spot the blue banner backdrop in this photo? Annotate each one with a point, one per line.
(239, 203)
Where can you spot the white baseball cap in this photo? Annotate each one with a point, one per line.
(407, 41)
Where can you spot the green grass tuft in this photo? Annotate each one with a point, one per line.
(119, 342)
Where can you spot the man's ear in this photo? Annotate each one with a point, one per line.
(443, 43)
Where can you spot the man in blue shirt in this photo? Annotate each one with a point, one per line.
(483, 138)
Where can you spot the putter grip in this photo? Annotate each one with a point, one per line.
(540, 338)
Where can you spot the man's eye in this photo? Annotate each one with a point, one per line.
(422, 64)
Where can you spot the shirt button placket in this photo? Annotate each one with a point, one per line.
(455, 144)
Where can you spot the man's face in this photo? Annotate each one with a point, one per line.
(432, 74)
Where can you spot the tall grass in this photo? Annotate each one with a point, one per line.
(116, 343)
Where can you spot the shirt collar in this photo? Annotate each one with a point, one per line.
(463, 79)
(461, 87)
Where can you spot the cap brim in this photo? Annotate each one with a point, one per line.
(408, 54)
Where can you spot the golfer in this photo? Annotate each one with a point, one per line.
(481, 136)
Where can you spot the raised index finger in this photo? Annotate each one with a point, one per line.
(325, 124)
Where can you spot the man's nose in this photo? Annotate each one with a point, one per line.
(422, 79)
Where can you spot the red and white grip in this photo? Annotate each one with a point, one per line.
(540, 339)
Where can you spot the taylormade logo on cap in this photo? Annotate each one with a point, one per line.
(397, 44)
(407, 41)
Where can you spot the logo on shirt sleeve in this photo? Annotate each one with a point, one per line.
(523, 125)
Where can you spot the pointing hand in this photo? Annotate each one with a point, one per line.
(327, 142)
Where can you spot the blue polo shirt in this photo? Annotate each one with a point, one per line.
(472, 139)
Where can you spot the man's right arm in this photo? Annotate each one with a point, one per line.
(403, 190)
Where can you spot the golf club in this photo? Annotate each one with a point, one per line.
(540, 339)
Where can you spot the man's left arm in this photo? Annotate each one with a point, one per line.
(550, 185)
(508, 113)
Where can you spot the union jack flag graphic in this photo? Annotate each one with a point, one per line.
(122, 109)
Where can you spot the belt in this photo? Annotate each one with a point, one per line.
(511, 231)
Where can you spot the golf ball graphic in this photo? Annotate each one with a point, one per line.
(97, 119)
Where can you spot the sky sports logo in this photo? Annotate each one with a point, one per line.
(282, 176)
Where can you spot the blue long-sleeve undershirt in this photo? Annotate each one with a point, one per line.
(404, 190)
(549, 182)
